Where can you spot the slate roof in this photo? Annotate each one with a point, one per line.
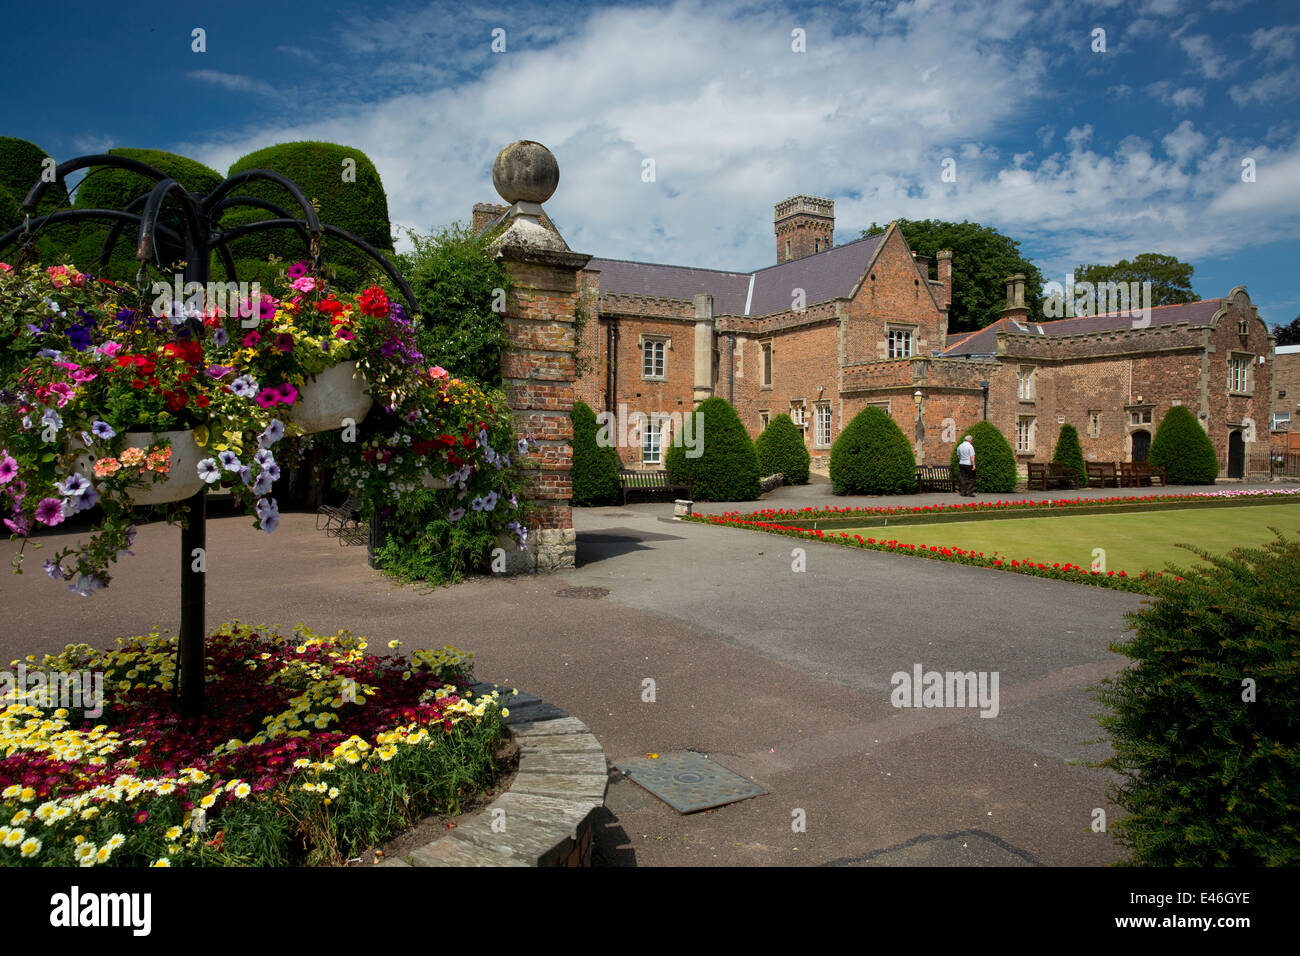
(985, 341)
(826, 275)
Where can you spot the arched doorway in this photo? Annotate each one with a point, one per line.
(1236, 455)
(1141, 445)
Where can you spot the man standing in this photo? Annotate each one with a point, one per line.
(966, 468)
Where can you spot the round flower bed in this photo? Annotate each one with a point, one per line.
(311, 751)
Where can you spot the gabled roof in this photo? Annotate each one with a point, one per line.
(985, 341)
(832, 274)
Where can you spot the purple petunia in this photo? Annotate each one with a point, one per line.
(85, 501)
(219, 371)
(455, 514)
(53, 569)
(477, 504)
(229, 461)
(87, 585)
(219, 338)
(271, 434)
(266, 506)
(264, 457)
(490, 501)
(262, 484)
(103, 430)
(209, 471)
(245, 386)
(19, 525)
(73, 486)
(50, 512)
(522, 445)
(297, 270)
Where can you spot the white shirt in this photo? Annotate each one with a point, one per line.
(965, 453)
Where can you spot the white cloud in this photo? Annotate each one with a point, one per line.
(1282, 85)
(1276, 43)
(1203, 58)
(235, 83)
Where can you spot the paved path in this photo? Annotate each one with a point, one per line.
(779, 675)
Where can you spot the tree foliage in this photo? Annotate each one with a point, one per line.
(595, 468)
(781, 450)
(982, 259)
(456, 285)
(1182, 447)
(1288, 334)
(21, 166)
(995, 461)
(1170, 278)
(727, 466)
(872, 456)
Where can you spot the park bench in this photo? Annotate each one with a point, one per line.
(1138, 473)
(342, 521)
(935, 478)
(1102, 474)
(1045, 475)
(651, 482)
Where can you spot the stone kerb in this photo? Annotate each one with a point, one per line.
(546, 818)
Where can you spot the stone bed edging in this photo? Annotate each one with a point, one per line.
(546, 816)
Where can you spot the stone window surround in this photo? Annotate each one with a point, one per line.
(1249, 359)
(1094, 423)
(646, 338)
(911, 330)
(766, 358)
(1032, 444)
(1147, 412)
(1026, 390)
(800, 420)
(818, 409)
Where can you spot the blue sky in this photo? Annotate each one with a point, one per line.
(1082, 155)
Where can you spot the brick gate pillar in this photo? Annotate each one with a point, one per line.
(538, 357)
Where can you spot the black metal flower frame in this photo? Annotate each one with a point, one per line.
(200, 235)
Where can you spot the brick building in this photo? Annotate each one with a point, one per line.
(831, 329)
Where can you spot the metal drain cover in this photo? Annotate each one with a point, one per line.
(590, 593)
(689, 782)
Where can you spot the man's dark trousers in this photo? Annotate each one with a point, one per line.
(966, 479)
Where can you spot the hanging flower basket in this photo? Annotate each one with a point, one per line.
(182, 478)
(328, 398)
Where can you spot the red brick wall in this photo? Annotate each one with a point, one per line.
(897, 293)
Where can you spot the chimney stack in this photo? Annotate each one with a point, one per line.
(1015, 307)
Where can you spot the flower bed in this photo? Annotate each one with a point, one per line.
(981, 509)
(1061, 571)
(312, 750)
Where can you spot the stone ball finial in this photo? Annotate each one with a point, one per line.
(525, 171)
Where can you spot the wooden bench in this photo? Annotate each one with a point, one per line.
(651, 482)
(1047, 475)
(342, 521)
(1138, 473)
(1102, 474)
(935, 478)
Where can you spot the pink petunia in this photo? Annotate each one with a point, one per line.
(8, 468)
(305, 284)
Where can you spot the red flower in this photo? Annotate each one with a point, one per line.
(374, 302)
(176, 400)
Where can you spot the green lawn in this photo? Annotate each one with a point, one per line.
(1133, 542)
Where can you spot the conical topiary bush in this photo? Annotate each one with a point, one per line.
(727, 467)
(995, 462)
(1183, 449)
(595, 468)
(781, 451)
(1069, 453)
(872, 456)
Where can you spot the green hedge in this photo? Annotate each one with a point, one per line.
(359, 206)
(595, 468)
(727, 468)
(781, 450)
(107, 188)
(21, 165)
(1211, 765)
(995, 462)
(1070, 454)
(872, 456)
(1184, 450)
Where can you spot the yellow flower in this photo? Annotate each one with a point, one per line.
(173, 833)
(207, 802)
(85, 854)
(103, 854)
(11, 792)
(21, 817)
(31, 846)
(162, 861)
(115, 841)
(394, 644)
(242, 791)
(334, 793)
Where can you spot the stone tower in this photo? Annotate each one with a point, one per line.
(805, 225)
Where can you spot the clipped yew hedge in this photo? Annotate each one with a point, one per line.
(781, 451)
(595, 468)
(356, 203)
(727, 468)
(995, 462)
(872, 456)
(1206, 725)
(108, 188)
(21, 165)
(1183, 449)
